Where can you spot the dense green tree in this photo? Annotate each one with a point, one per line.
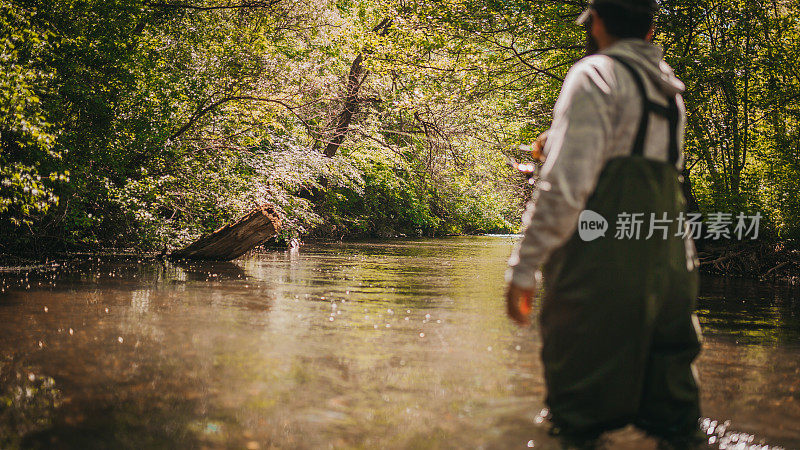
(738, 59)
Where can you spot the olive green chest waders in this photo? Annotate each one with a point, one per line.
(618, 326)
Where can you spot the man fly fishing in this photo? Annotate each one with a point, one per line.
(617, 323)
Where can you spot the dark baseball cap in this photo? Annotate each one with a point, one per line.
(640, 6)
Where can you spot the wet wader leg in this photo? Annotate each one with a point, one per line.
(670, 405)
(596, 326)
(593, 361)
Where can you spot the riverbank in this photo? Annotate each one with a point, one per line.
(774, 262)
(777, 262)
(16, 264)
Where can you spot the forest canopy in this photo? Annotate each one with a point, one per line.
(132, 124)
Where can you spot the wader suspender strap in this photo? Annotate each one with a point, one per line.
(670, 112)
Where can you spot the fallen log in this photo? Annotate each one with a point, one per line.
(234, 239)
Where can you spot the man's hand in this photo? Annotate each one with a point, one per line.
(518, 304)
(537, 149)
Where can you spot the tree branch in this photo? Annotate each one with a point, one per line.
(243, 5)
(205, 110)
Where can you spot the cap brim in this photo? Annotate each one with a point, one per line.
(584, 17)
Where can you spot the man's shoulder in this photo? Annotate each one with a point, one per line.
(591, 71)
(588, 65)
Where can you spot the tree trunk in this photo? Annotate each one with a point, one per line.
(235, 239)
(354, 81)
(691, 201)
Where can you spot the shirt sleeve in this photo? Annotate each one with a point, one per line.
(575, 151)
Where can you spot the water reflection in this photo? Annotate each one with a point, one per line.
(397, 344)
(750, 313)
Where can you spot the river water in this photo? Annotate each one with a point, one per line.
(399, 344)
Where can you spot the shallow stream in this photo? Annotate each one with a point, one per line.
(399, 344)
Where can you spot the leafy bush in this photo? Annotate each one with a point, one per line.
(26, 142)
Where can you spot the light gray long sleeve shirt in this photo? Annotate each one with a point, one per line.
(595, 119)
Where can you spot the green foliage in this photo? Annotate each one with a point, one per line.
(387, 202)
(26, 144)
(394, 199)
(173, 204)
(738, 59)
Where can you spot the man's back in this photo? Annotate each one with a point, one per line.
(660, 84)
(595, 119)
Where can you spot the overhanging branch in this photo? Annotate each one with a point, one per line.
(207, 109)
